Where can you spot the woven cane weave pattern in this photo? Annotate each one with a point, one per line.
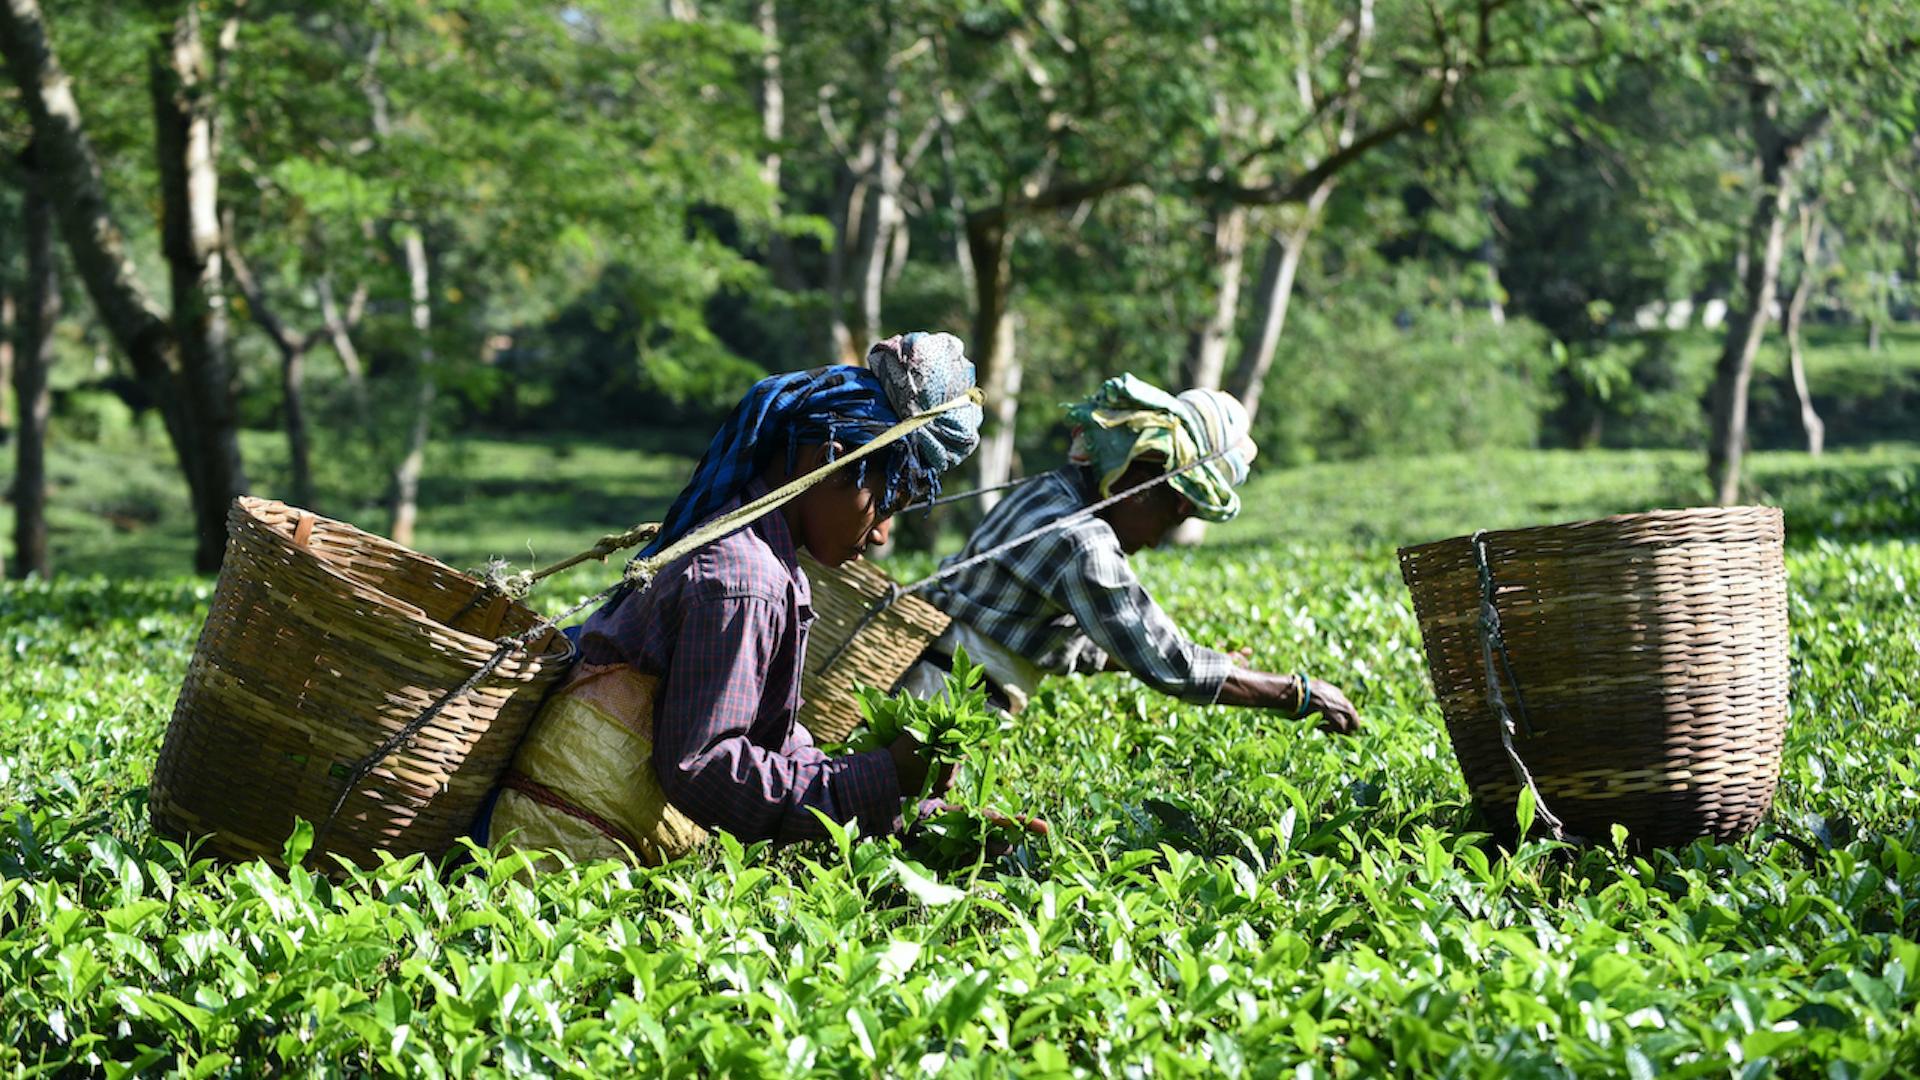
(323, 641)
(1651, 652)
(880, 653)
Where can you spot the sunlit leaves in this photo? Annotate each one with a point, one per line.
(1226, 890)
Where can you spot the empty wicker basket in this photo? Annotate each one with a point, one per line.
(1647, 655)
(322, 642)
(880, 651)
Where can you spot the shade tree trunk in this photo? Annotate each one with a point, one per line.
(773, 124)
(1274, 295)
(292, 347)
(405, 500)
(1779, 153)
(39, 311)
(185, 143)
(881, 220)
(178, 354)
(6, 351)
(995, 357)
(1206, 364)
(1810, 422)
(1226, 257)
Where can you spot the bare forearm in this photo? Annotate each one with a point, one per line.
(1293, 695)
(1261, 690)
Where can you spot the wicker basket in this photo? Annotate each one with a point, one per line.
(1650, 652)
(322, 642)
(879, 653)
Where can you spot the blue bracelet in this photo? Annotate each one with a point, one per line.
(1306, 694)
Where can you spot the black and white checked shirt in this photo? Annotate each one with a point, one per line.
(1067, 599)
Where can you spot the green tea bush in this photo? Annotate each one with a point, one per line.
(1415, 374)
(94, 416)
(958, 731)
(1225, 891)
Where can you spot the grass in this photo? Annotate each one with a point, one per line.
(118, 507)
(1855, 492)
(1227, 893)
(1864, 396)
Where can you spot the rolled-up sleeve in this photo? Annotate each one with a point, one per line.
(1096, 584)
(707, 761)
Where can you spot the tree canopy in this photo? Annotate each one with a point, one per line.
(1400, 226)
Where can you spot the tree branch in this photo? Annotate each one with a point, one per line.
(284, 338)
(1302, 185)
(340, 329)
(1349, 147)
(949, 112)
(356, 306)
(1053, 197)
(1279, 143)
(830, 125)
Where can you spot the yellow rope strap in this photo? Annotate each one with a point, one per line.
(520, 584)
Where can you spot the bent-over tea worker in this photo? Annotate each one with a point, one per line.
(679, 716)
(1067, 600)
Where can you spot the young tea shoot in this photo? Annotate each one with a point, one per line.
(957, 730)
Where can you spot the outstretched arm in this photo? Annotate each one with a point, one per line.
(1291, 694)
(1094, 581)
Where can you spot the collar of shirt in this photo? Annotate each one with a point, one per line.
(1081, 478)
(773, 528)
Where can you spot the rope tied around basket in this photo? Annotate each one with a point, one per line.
(498, 575)
(637, 575)
(1492, 642)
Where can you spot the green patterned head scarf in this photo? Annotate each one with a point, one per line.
(1128, 418)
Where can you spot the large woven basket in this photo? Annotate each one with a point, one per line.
(322, 642)
(1648, 657)
(847, 647)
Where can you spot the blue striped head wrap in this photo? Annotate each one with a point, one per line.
(841, 404)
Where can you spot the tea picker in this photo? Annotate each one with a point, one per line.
(1045, 583)
(680, 717)
(350, 682)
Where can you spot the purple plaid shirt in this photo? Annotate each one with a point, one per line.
(726, 629)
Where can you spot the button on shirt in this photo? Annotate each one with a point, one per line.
(1069, 599)
(725, 628)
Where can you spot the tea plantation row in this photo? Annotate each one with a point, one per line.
(1227, 892)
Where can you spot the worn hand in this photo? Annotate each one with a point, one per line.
(1034, 825)
(910, 764)
(1241, 657)
(1337, 714)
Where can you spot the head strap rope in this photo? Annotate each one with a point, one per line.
(897, 591)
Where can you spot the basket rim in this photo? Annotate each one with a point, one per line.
(1640, 517)
(249, 505)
